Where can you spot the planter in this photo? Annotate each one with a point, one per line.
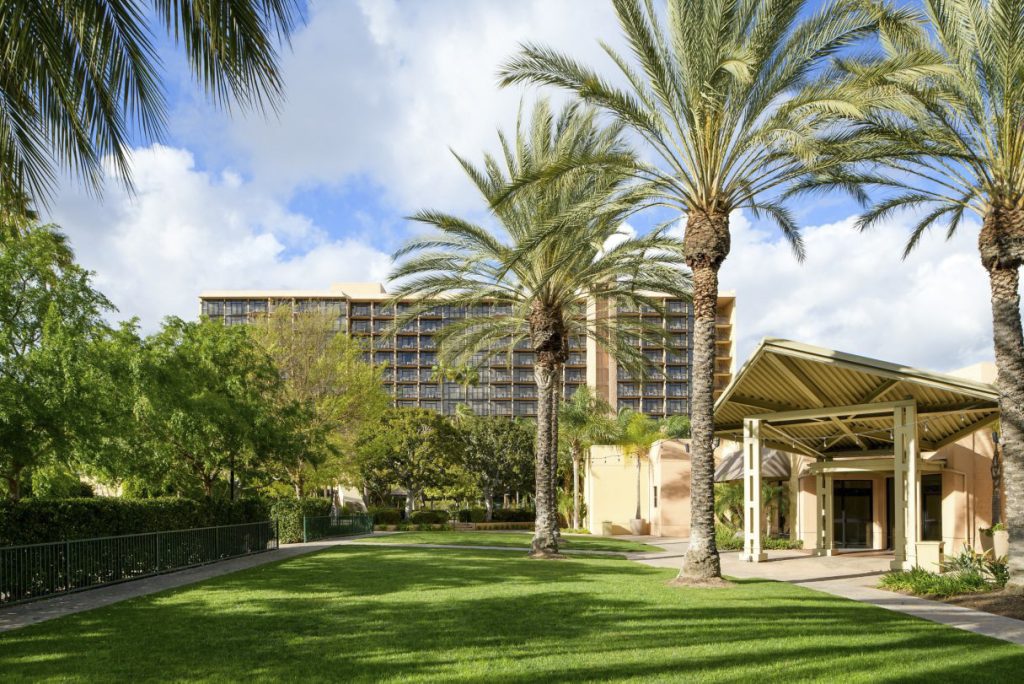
(998, 542)
(607, 528)
(637, 526)
(1001, 543)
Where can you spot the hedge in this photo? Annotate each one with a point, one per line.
(513, 515)
(386, 516)
(429, 517)
(289, 513)
(36, 520)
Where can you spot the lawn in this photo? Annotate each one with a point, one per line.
(516, 540)
(361, 613)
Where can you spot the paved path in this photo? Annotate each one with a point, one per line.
(13, 617)
(854, 576)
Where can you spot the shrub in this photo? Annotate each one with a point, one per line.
(781, 543)
(727, 539)
(289, 514)
(513, 515)
(472, 515)
(37, 520)
(996, 570)
(923, 583)
(386, 516)
(429, 517)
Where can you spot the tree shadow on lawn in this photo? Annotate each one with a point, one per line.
(364, 614)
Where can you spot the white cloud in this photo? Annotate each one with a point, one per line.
(185, 231)
(855, 294)
(382, 90)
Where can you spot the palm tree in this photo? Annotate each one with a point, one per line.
(718, 91)
(583, 420)
(944, 137)
(637, 434)
(530, 281)
(79, 78)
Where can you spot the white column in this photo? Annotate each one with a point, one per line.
(752, 504)
(824, 515)
(906, 489)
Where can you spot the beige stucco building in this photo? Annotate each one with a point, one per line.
(875, 455)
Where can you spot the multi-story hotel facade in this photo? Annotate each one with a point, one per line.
(505, 385)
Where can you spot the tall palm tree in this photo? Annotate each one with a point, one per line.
(79, 78)
(637, 434)
(539, 270)
(716, 88)
(944, 137)
(583, 420)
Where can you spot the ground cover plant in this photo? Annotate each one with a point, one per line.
(361, 613)
(511, 540)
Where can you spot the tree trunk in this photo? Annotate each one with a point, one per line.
(1009, 346)
(997, 484)
(556, 398)
(410, 496)
(706, 244)
(576, 488)
(14, 486)
(544, 542)
(488, 504)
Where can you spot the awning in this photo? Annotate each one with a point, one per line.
(775, 465)
(846, 401)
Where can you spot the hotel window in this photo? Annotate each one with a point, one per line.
(500, 375)
(480, 408)
(236, 308)
(677, 324)
(406, 342)
(501, 392)
(523, 343)
(454, 312)
(380, 358)
(380, 342)
(431, 405)
(524, 391)
(428, 325)
(676, 357)
(407, 358)
(676, 389)
(430, 392)
(525, 408)
(631, 404)
(677, 406)
(676, 373)
(628, 390)
(426, 375)
(388, 375)
(653, 390)
(428, 358)
(383, 310)
(407, 391)
(361, 310)
(654, 355)
(407, 375)
(676, 306)
(678, 341)
(478, 392)
(522, 375)
(523, 359)
(577, 359)
(407, 404)
(653, 406)
(360, 326)
(381, 325)
(258, 306)
(427, 342)
(502, 409)
(213, 308)
(569, 390)
(574, 375)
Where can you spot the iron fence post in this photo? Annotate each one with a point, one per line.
(305, 529)
(67, 564)
(157, 537)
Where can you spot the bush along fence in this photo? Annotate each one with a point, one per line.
(322, 526)
(34, 571)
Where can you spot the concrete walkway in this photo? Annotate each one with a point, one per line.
(850, 575)
(13, 617)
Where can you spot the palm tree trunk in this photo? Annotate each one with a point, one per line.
(1009, 347)
(576, 487)
(706, 243)
(544, 542)
(556, 398)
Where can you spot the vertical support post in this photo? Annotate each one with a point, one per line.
(795, 512)
(305, 529)
(906, 487)
(752, 504)
(824, 516)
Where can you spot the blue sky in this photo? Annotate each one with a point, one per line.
(377, 91)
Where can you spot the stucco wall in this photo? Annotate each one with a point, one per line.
(611, 490)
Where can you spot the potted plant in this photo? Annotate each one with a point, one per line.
(996, 539)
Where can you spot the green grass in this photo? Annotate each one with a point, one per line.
(515, 540)
(361, 613)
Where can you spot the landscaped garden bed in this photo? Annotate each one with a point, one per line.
(511, 540)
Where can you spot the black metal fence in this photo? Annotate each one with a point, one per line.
(35, 571)
(319, 527)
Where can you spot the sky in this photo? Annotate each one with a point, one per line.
(378, 94)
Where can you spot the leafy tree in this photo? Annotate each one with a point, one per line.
(637, 433)
(328, 394)
(723, 94)
(676, 427)
(554, 256)
(410, 448)
(584, 420)
(49, 312)
(208, 387)
(464, 376)
(79, 78)
(944, 137)
(497, 454)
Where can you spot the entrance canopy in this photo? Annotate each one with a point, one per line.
(829, 404)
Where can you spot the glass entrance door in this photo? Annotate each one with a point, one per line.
(853, 519)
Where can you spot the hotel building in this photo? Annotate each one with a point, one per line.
(506, 384)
